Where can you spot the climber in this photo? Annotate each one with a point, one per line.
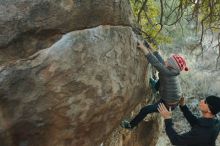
(168, 84)
(204, 130)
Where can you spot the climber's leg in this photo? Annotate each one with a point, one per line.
(143, 113)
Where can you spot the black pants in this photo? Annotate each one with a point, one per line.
(146, 110)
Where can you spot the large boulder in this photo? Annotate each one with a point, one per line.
(69, 73)
(30, 25)
(73, 93)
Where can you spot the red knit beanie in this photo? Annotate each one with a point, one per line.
(180, 62)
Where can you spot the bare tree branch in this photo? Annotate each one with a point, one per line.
(141, 9)
(148, 19)
(218, 51)
(201, 38)
(161, 18)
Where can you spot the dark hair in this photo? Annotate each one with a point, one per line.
(213, 103)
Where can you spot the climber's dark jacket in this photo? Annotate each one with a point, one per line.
(204, 131)
(170, 89)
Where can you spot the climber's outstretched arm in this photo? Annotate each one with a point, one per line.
(144, 49)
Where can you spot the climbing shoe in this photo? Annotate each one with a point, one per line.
(126, 124)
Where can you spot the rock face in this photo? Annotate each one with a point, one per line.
(68, 74)
(146, 134)
(73, 93)
(30, 25)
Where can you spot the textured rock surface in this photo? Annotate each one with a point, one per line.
(62, 84)
(73, 93)
(30, 25)
(146, 134)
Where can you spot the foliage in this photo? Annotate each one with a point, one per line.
(170, 20)
(147, 17)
